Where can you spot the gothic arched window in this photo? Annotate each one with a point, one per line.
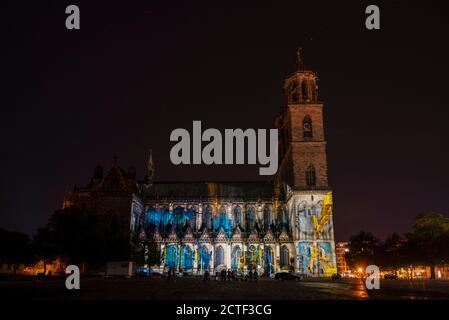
(219, 256)
(171, 256)
(294, 91)
(307, 127)
(191, 213)
(310, 176)
(304, 91)
(187, 258)
(250, 219)
(223, 217)
(266, 217)
(208, 217)
(285, 259)
(237, 216)
(314, 89)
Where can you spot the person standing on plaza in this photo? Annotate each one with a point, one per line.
(169, 274)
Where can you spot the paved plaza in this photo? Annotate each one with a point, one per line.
(193, 288)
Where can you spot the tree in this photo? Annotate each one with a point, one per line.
(83, 236)
(15, 248)
(45, 245)
(430, 240)
(364, 248)
(392, 252)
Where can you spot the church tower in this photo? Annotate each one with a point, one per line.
(302, 147)
(303, 172)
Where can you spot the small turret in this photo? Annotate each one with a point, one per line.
(149, 168)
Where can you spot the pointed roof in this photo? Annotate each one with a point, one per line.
(221, 236)
(188, 235)
(172, 237)
(157, 235)
(237, 235)
(253, 236)
(204, 235)
(269, 237)
(284, 237)
(149, 166)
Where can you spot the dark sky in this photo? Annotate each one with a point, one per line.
(134, 72)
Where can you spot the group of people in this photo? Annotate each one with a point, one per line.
(223, 275)
(171, 271)
(230, 275)
(227, 275)
(253, 275)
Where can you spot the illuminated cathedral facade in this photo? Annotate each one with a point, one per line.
(283, 224)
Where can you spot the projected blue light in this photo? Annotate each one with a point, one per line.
(171, 256)
(204, 257)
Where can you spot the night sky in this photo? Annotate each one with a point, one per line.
(134, 72)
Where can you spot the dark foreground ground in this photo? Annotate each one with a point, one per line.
(195, 289)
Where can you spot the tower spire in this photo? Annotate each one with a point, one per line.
(149, 168)
(298, 65)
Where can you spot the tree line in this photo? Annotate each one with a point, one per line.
(75, 234)
(426, 245)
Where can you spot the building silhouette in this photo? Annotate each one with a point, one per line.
(282, 224)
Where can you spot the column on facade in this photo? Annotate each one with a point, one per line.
(199, 216)
(229, 210)
(180, 257)
(228, 255)
(297, 266)
(244, 249)
(259, 215)
(195, 258)
(277, 257)
(212, 259)
(162, 262)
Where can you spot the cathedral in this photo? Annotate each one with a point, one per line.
(285, 224)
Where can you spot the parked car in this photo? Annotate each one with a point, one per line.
(336, 276)
(287, 276)
(390, 276)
